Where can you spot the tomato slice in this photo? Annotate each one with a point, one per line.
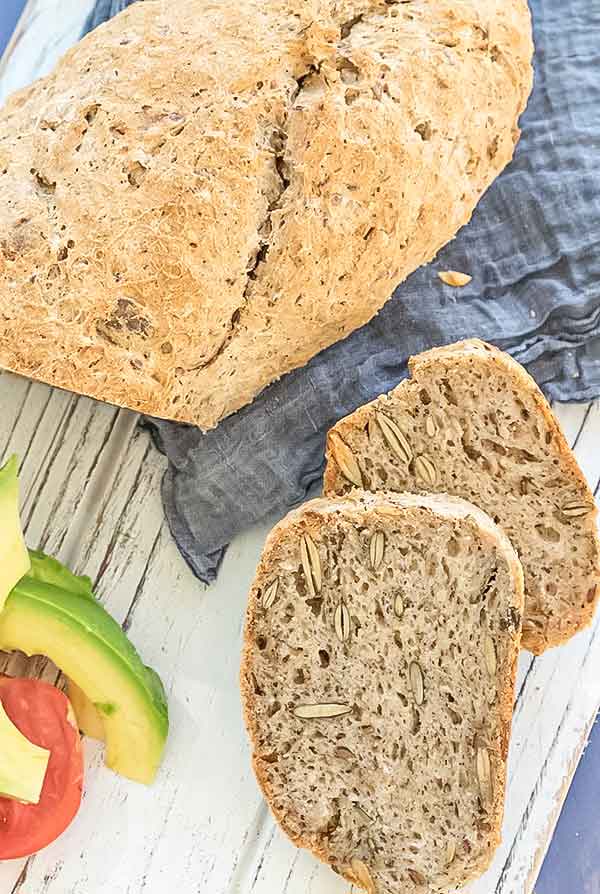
(43, 714)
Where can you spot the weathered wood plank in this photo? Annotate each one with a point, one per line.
(45, 30)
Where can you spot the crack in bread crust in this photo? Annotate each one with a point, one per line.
(170, 258)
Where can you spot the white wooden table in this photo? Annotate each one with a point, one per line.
(91, 496)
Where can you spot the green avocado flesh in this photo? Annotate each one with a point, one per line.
(50, 571)
(66, 624)
(14, 559)
(22, 764)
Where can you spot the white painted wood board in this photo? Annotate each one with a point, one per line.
(91, 483)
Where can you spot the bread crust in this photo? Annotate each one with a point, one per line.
(179, 229)
(364, 507)
(474, 350)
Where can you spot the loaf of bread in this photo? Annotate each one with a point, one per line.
(471, 422)
(378, 674)
(205, 194)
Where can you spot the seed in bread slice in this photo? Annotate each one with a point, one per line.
(471, 422)
(378, 678)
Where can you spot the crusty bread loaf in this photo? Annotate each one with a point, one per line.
(473, 423)
(205, 194)
(378, 674)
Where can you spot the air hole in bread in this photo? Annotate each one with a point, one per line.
(324, 658)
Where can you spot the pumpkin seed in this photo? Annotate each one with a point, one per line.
(376, 549)
(341, 622)
(454, 278)
(346, 460)
(394, 438)
(415, 676)
(426, 471)
(270, 594)
(321, 710)
(311, 564)
(489, 651)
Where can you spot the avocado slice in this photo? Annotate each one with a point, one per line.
(23, 765)
(71, 628)
(51, 571)
(88, 717)
(14, 559)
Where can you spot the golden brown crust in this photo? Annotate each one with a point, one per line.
(571, 622)
(180, 228)
(307, 519)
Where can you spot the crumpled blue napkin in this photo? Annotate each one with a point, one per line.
(533, 249)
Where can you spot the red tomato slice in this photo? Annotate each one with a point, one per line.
(43, 714)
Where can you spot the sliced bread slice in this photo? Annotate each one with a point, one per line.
(471, 422)
(378, 678)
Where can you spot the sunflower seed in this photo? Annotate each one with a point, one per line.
(362, 876)
(417, 877)
(341, 622)
(489, 652)
(394, 438)
(344, 753)
(398, 605)
(345, 459)
(415, 676)
(430, 426)
(321, 710)
(270, 594)
(426, 471)
(311, 564)
(450, 851)
(484, 774)
(363, 813)
(376, 549)
(454, 278)
(575, 509)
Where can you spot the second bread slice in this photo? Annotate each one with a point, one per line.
(471, 422)
(378, 680)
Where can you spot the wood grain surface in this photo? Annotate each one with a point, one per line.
(91, 496)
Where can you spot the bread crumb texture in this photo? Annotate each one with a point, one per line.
(381, 745)
(203, 195)
(471, 422)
